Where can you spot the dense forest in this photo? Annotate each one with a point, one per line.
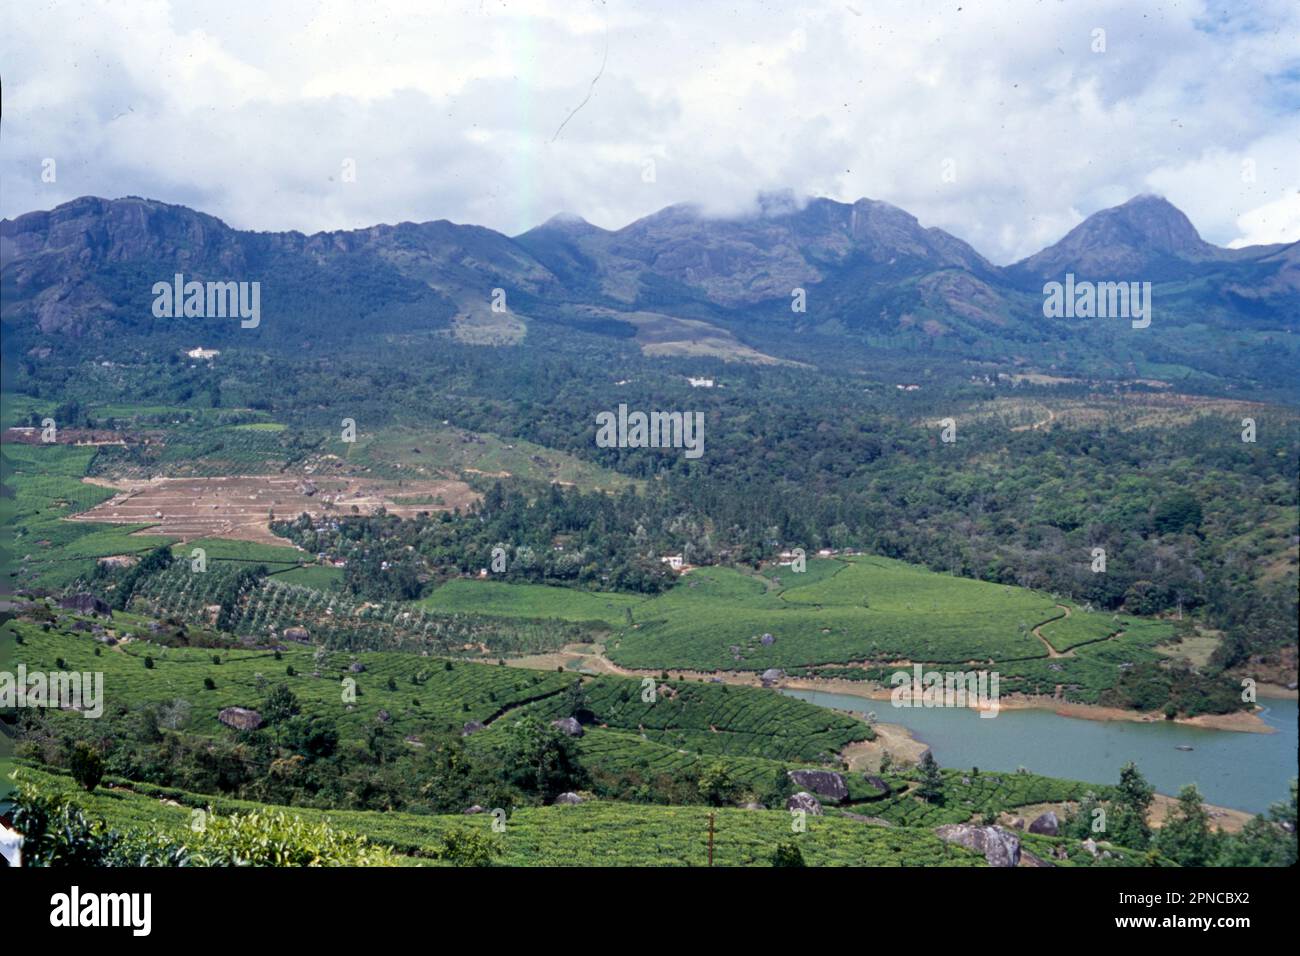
(1193, 520)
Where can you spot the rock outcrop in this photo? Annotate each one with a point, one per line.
(1000, 847)
(86, 603)
(240, 718)
(806, 802)
(825, 783)
(569, 725)
(1046, 824)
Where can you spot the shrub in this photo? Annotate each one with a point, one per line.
(274, 838)
(57, 833)
(86, 766)
(464, 847)
(787, 854)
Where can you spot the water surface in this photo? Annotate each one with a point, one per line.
(1232, 769)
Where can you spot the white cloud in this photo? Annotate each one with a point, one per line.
(1278, 221)
(247, 110)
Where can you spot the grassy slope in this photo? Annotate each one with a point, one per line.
(530, 601)
(43, 486)
(840, 611)
(868, 609)
(596, 833)
(709, 718)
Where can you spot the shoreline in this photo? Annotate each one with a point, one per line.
(592, 658)
(902, 744)
(1240, 722)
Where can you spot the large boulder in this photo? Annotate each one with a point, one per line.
(569, 725)
(806, 802)
(471, 727)
(300, 634)
(877, 782)
(356, 667)
(86, 603)
(240, 718)
(1046, 824)
(825, 783)
(771, 676)
(1000, 847)
(570, 798)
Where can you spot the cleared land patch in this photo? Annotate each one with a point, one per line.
(449, 452)
(241, 508)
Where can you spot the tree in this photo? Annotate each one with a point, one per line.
(280, 705)
(541, 760)
(1176, 514)
(1266, 840)
(716, 785)
(931, 788)
(1186, 836)
(86, 766)
(1128, 820)
(575, 702)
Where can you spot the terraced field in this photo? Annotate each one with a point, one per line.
(530, 601)
(431, 696)
(591, 834)
(720, 719)
(868, 609)
(624, 753)
(966, 796)
(595, 833)
(428, 695)
(333, 618)
(43, 487)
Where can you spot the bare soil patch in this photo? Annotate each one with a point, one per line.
(241, 508)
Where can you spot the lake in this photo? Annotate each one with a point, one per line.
(1232, 769)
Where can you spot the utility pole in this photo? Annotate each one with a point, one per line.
(710, 838)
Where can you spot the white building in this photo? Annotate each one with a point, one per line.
(673, 561)
(202, 353)
(700, 382)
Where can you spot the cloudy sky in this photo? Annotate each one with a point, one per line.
(1003, 122)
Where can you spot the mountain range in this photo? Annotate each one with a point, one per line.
(678, 282)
